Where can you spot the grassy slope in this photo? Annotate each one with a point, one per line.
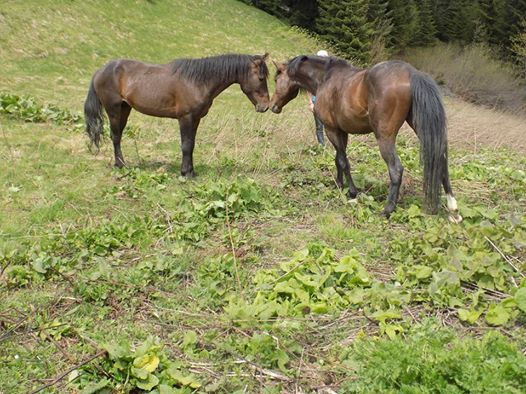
(52, 185)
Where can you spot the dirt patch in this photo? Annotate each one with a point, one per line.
(474, 127)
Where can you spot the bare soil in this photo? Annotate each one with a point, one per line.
(474, 127)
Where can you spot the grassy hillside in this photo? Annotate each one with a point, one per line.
(50, 49)
(258, 276)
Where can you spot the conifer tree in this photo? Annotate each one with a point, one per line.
(405, 22)
(427, 29)
(518, 46)
(345, 24)
(440, 10)
(380, 17)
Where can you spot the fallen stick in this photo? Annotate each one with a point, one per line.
(64, 374)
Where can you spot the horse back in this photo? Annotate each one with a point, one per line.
(152, 89)
(389, 79)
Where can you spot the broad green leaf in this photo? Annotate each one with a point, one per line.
(389, 314)
(148, 362)
(38, 266)
(149, 383)
(497, 315)
(118, 350)
(319, 307)
(139, 373)
(469, 316)
(148, 346)
(392, 329)
(285, 287)
(356, 295)
(165, 389)
(308, 280)
(185, 380)
(520, 299)
(190, 339)
(422, 271)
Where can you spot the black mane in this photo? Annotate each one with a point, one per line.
(294, 63)
(329, 62)
(224, 67)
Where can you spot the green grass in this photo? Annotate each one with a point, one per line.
(158, 269)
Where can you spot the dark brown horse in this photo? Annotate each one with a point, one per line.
(375, 100)
(183, 89)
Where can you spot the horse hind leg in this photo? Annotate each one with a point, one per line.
(386, 143)
(118, 116)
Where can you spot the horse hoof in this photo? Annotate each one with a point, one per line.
(189, 174)
(455, 218)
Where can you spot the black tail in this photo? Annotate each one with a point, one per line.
(429, 121)
(93, 116)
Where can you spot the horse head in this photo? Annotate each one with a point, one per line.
(254, 85)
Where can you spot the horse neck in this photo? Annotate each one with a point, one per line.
(216, 87)
(311, 77)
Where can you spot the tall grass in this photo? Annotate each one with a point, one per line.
(471, 73)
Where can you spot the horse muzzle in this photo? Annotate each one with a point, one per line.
(276, 109)
(261, 108)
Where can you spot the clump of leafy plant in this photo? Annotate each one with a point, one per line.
(146, 368)
(58, 254)
(27, 109)
(216, 280)
(469, 268)
(317, 282)
(219, 199)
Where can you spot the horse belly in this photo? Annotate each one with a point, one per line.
(150, 102)
(353, 122)
(357, 125)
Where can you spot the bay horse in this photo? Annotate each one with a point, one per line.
(375, 100)
(183, 89)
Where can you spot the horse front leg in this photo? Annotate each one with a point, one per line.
(339, 140)
(188, 128)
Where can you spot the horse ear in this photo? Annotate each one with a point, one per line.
(265, 56)
(303, 58)
(279, 66)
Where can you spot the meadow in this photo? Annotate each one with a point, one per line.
(258, 276)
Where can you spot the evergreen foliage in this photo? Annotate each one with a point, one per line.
(380, 16)
(427, 30)
(345, 24)
(368, 29)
